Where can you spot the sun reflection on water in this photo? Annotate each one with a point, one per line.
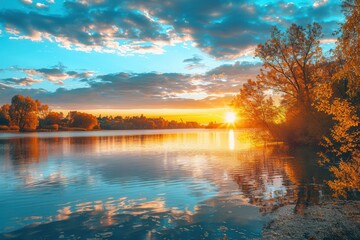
(231, 140)
(164, 183)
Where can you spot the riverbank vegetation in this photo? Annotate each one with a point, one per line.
(305, 97)
(27, 114)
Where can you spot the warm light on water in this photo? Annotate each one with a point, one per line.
(231, 139)
(135, 184)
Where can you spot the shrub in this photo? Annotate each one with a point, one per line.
(83, 120)
(54, 127)
(4, 127)
(14, 127)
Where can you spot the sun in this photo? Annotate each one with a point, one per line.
(230, 117)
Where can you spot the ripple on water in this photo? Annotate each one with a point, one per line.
(147, 184)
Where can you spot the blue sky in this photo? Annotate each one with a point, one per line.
(140, 54)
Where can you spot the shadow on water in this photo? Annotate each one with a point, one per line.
(189, 185)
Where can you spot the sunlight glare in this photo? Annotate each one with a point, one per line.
(230, 117)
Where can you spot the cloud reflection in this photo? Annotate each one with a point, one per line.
(146, 184)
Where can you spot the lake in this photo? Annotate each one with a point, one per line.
(149, 184)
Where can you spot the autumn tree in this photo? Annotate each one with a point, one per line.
(43, 110)
(348, 48)
(291, 60)
(253, 103)
(83, 120)
(339, 98)
(292, 68)
(5, 115)
(53, 118)
(52, 121)
(343, 144)
(23, 112)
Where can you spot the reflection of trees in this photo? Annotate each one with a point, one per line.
(23, 157)
(272, 179)
(24, 150)
(27, 150)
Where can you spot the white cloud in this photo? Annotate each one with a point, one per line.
(328, 40)
(319, 3)
(41, 5)
(27, 1)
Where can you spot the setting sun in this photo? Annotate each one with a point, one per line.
(230, 117)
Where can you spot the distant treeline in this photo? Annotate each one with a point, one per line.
(27, 114)
(142, 122)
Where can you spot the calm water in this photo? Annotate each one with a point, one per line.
(158, 184)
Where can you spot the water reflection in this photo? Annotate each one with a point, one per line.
(202, 184)
(231, 139)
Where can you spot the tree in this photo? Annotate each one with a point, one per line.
(291, 61)
(339, 98)
(348, 48)
(23, 112)
(5, 115)
(343, 144)
(43, 110)
(83, 120)
(254, 104)
(53, 118)
(30, 122)
(293, 66)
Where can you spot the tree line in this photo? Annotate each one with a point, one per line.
(142, 122)
(305, 97)
(27, 114)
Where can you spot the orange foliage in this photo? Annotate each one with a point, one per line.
(83, 120)
(23, 112)
(342, 104)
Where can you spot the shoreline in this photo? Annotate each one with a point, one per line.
(97, 130)
(93, 130)
(338, 219)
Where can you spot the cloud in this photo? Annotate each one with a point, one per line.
(320, 3)
(229, 78)
(56, 74)
(238, 68)
(4, 86)
(214, 27)
(85, 27)
(194, 62)
(224, 29)
(26, 81)
(41, 5)
(215, 88)
(28, 2)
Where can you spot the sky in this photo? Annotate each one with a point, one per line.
(172, 58)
